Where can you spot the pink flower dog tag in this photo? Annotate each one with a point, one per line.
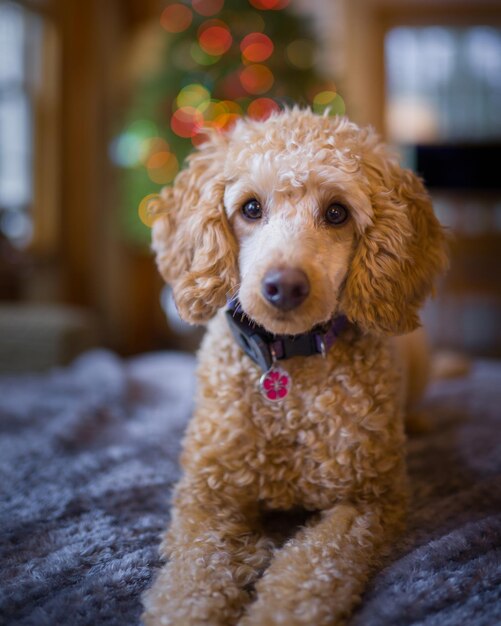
(275, 384)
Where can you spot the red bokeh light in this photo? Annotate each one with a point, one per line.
(256, 79)
(207, 7)
(199, 138)
(175, 18)
(158, 159)
(226, 121)
(256, 47)
(214, 37)
(262, 108)
(186, 121)
(267, 5)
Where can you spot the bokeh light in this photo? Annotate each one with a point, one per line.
(232, 107)
(162, 167)
(210, 109)
(125, 150)
(329, 100)
(200, 138)
(152, 145)
(225, 121)
(256, 47)
(146, 209)
(262, 108)
(219, 115)
(155, 144)
(192, 95)
(301, 53)
(267, 5)
(201, 57)
(176, 17)
(186, 121)
(130, 147)
(256, 79)
(214, 37)
(207, 7)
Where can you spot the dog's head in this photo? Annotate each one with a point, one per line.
(303, 217)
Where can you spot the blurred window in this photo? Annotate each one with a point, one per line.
(20, 41)
(443, 83)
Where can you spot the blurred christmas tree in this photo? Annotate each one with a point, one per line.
(223, 59)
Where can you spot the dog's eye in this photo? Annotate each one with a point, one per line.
(336, 214)
(252, 210)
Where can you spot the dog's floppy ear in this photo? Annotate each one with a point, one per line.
(399, 256)
(196, 251)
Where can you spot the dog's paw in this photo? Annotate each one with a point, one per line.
(177, 599)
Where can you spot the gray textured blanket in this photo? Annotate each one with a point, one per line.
(88, 456)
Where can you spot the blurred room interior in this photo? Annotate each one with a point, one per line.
(79, 152)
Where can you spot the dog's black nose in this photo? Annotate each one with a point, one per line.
(285, 288)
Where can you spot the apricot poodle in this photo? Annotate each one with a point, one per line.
(305, 246)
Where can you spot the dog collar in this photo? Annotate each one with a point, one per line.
(265, 348)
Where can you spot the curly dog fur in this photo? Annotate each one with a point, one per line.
(335, 445)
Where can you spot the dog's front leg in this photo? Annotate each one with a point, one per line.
(215, 552)
(318, 576)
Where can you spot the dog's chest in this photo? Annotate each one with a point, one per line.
(336, 432)
(308, 456)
